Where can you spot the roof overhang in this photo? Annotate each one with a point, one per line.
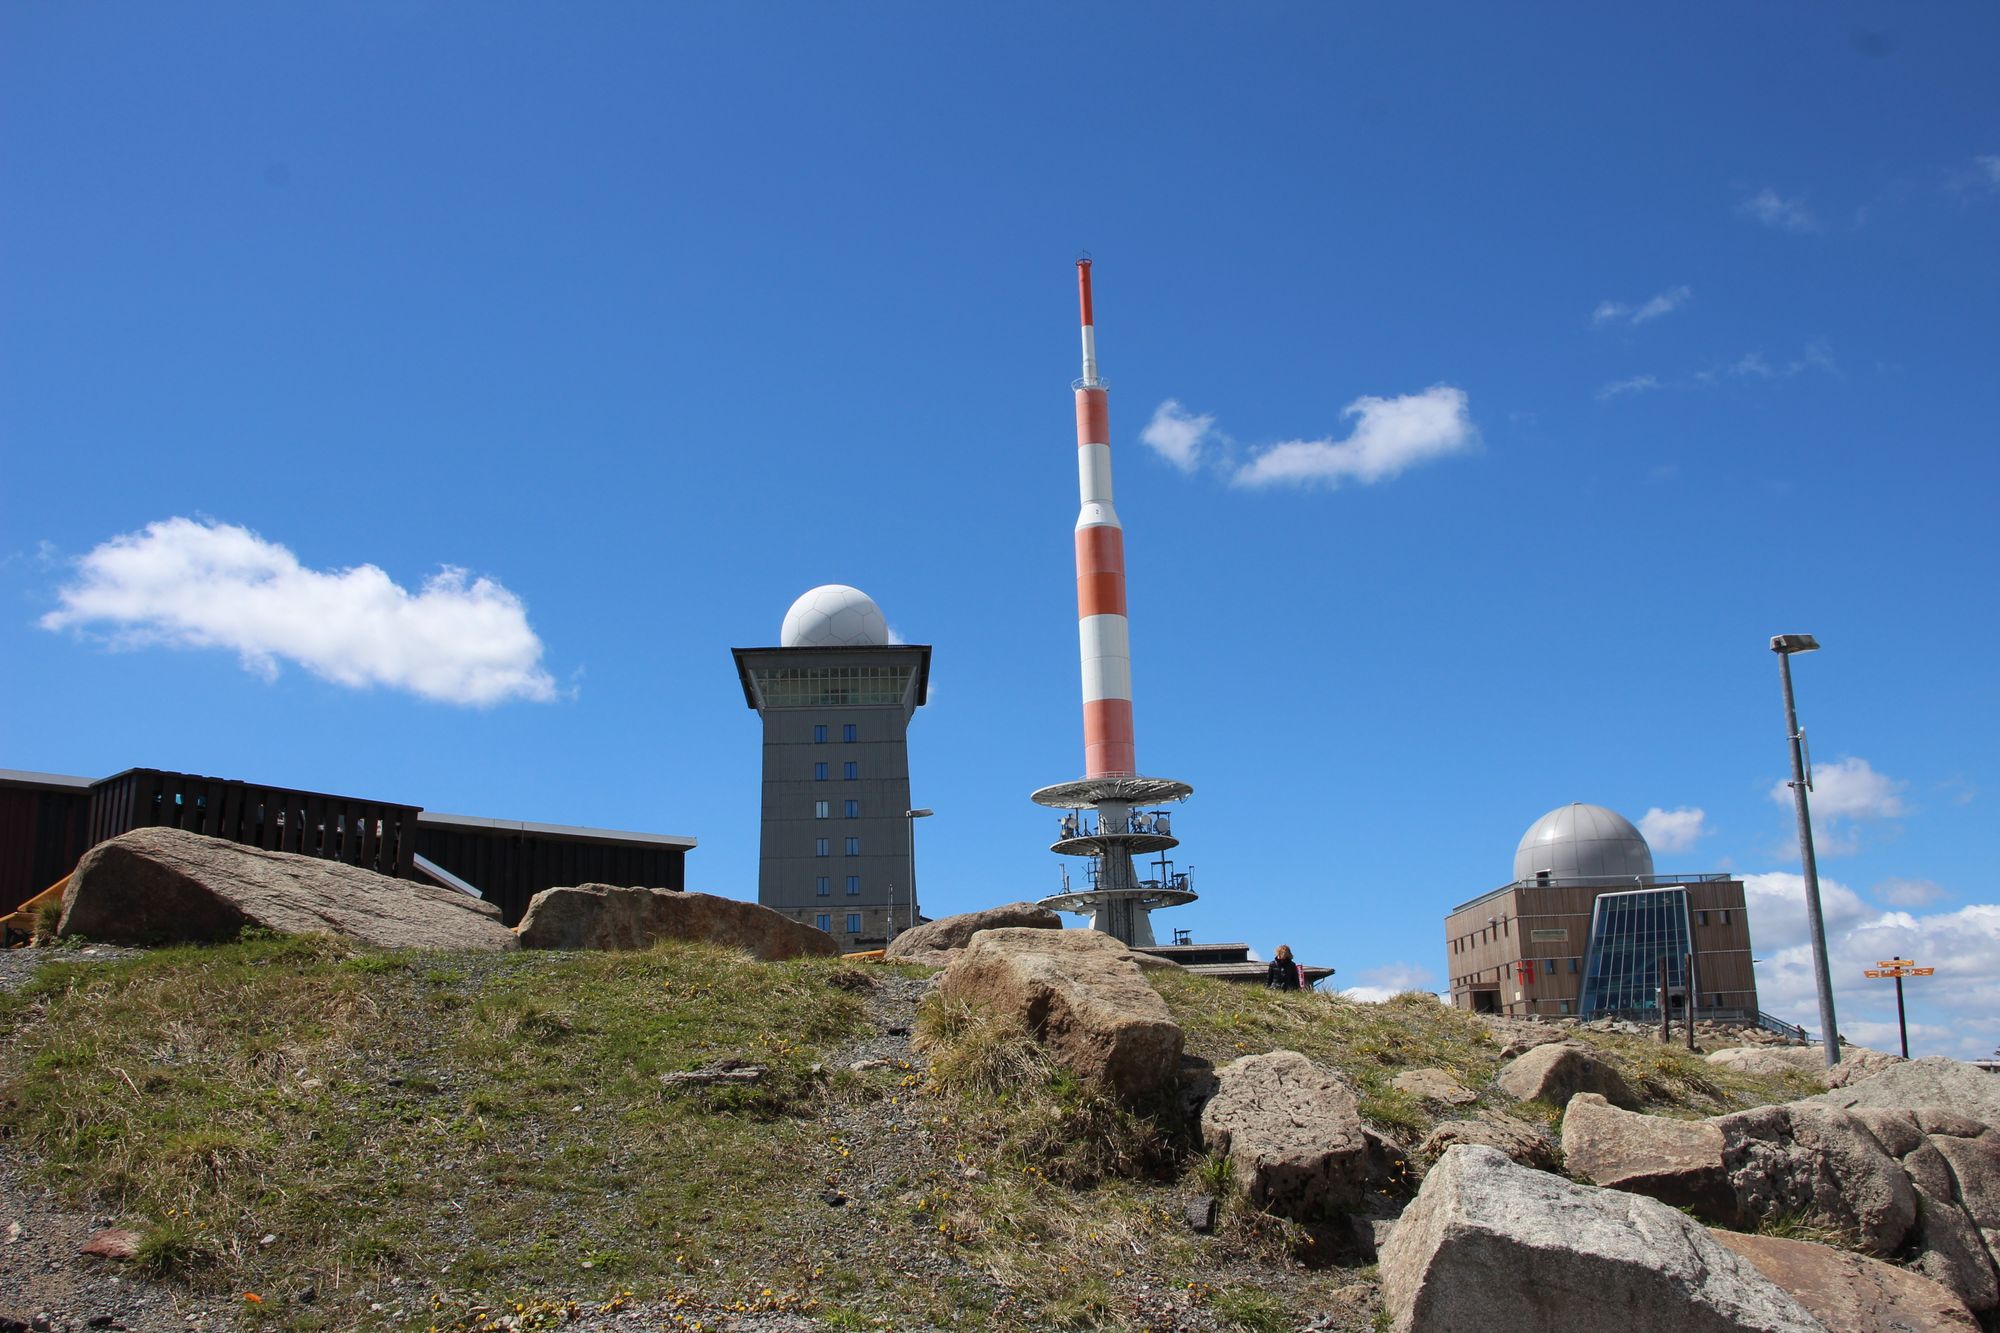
(743, 657)
(568, 832)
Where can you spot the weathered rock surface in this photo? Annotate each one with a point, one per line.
(1804, 1159)
(955, 932)
(1490, 1244)
(1557, 1072)
(1434, 1085)
(1521, 1142)
(607, 916)
(159, 884)
(1857, 1063)
(1082, 996)
(1850, 1293)
(1949, 1250)
(1932, 1081)
(1819, 1161)
(1675, 1161)
(1772, 1060)
(1293, 1135)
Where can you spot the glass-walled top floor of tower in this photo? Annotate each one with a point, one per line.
(833, 686)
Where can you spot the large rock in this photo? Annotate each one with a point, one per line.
(1490, 1244)
(1520, 1141)
(162, 884)
(1293, 1135)
(1557, 1072)
(1675, 1161)
(1850, 1293)
(1807, 1160)
(1931, 1081)
(921, 943)
(1434, 1085)
(607, 916)
(1766, 1060)
(1949, 1250)
(1857, 1063)
(1082, 996)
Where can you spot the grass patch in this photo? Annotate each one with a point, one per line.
(1251, 1309)
(394, 1113)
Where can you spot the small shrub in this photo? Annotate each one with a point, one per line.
(47, 917)
(173, 1250)
(1256, 1311)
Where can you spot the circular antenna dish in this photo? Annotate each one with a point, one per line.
(1583, 842)
(834, 615)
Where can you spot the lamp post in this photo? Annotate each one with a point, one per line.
(912, 816)
(1784, 645)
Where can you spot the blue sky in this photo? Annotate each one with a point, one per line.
(1511, 376)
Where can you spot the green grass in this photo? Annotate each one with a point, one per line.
(489, 1123)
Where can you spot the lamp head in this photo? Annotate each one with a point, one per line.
(1794, 643)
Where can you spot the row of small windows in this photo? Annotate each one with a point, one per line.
(822, 885)
(849, 732)
(824, 921)
(853, 846)
(821, 809)
(848, 771)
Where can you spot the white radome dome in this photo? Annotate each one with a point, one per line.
(834, 615)
(1583, 842)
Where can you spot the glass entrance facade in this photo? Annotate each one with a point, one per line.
(1629, 934)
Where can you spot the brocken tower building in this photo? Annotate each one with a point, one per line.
(836, 698)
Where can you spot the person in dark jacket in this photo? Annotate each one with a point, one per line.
(1284, 974)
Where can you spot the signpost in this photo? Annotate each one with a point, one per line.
(1899, 968)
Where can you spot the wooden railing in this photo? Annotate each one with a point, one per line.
(372, 834)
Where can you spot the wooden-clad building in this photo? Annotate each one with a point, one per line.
(48, 821)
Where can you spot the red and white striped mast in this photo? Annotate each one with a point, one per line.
(1118, 902)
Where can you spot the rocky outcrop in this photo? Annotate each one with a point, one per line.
(1805, 1160)
(923, 943)
(607, 916)
(1557, 1072)
(1856, 1063)
(1293, 1135)
(1850, 1293)
(1081, 995)
(1434, 1085)
(1675, 1161)
(1765, 1060)
(1490, 1244)
(154, 885)
(1950, 1085)
(1520, 1141)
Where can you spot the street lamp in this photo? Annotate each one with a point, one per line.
(1784, 645)
(912, 816)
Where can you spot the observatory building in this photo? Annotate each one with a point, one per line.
(1583, 925)
(836, 698)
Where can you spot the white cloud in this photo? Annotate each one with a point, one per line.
(1636, 384)
(1754, 365)
(1178, 435)
(1777, 905)
(1910, 892)
(1617, 312)
(1775, 210)
(1381, 983)
(1673, 830)
(1951, 1013)
(1849, 788)
(1390, 436)
(1988, 167)
(180, 583)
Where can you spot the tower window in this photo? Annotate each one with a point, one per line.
(849, 732)
(854, 846)
(819, 772)
(824, 921)
(819, 809)
(819, 886)
(854, 886)
(850, 770)
(854, 809)
(854, 923)
(819, 846)
(819, 733)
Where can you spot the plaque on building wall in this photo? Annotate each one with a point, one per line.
(1538, 936)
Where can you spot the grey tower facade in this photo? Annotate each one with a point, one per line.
(835, 844)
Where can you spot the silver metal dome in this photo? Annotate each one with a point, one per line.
(1583, 842)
